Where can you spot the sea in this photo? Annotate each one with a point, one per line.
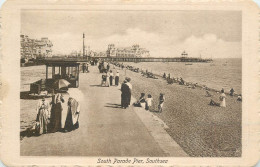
(221, 73)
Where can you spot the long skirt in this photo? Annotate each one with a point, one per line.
(111, 80)
(124, 101)
(69, 126)
(116, 80)
(128, 98)
(56, 117)
(43, 122)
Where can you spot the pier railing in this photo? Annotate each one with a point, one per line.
(133, 59)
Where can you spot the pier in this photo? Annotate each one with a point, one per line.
(135, 59)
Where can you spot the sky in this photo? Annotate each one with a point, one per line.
(215, 34)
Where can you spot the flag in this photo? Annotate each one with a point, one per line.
(83, 35)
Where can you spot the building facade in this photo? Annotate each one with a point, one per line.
(134, 51)
(34, 48)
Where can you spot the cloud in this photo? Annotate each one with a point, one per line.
(208, 45)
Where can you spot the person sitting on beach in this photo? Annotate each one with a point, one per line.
(213, 103)
(170, 81)
(148, 102)
(181, 81)
(161, 102)
(208, 94)
(222, 99)
(239, 98)
(141, 101)
(231, 92)
(164, 75)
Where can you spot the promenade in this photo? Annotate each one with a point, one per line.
(105, 129)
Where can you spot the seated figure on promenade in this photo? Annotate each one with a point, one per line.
(141, 101)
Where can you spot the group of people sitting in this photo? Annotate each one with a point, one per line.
(222, 98)
(147, 102)
(174, 80)
(49, 115)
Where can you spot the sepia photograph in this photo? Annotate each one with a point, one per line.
(128, 83)
(125, 83)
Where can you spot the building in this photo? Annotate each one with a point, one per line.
(34, 48)
(134, 51)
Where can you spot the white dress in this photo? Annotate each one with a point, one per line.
(149, 102)
(222, 100)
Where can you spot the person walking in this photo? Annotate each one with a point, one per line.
(124, 90)
(111, 77)
(129, 91)
(117, 78)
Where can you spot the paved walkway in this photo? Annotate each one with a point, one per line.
(105, 128)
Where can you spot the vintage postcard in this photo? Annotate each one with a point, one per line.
(129, 83)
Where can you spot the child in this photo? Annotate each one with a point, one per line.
(161, 101)
(148, 102)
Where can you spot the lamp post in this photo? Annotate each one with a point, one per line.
(83, 45)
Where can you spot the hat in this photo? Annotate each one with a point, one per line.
(128, 79)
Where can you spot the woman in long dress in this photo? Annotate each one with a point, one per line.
(56, 112)
(222, 99)
(71, 122)
(43, 116)
(124, 88)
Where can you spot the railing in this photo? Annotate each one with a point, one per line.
(131, 59)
